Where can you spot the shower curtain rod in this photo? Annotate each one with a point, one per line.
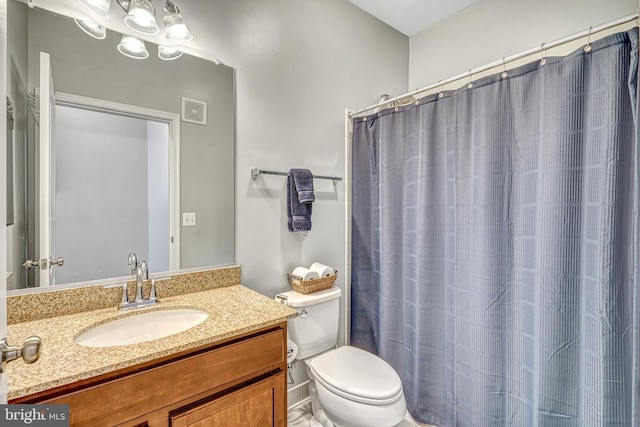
(505, 60)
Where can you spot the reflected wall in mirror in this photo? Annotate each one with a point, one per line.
(111, 179)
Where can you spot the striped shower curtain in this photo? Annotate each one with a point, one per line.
(495, 244)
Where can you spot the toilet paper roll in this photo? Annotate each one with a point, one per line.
(292, 351)
(322, 270)
(305, 273)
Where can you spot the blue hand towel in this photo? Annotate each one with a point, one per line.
(300, 197)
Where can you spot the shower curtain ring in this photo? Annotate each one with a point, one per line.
(504, 68)
(441, 93)
(587, 48)
(543, 54)
(470, 85)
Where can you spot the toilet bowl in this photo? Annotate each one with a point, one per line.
(349, 387)
(357, 389)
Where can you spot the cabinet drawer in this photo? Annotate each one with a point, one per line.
(258, 405)
(126, 398)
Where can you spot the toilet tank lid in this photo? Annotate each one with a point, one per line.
(295, 299)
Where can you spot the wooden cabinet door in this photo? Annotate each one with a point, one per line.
(258, 405)
(125, 399)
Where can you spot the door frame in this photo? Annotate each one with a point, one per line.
(173, 119)
(46, 102)
(3, 186)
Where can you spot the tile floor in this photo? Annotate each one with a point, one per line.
(300, 416)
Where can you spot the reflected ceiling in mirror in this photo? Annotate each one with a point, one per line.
(93, 73)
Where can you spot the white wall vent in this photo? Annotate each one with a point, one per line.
(194, 111)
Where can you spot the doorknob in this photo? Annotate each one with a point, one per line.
(29, 264)
(43, 263)
(30, 351)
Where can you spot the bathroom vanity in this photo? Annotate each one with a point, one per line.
(232, 382)
(229, 370)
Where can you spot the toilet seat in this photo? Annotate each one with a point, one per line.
(357, 375)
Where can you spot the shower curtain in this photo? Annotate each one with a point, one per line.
(495, 244)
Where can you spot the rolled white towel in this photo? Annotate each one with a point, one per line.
(305, 273)
(322, 270)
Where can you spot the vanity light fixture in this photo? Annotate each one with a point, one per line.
(168, 53)
(94, 30)
(99, 7)
(175, 28)
(141, 17)
(132, 47)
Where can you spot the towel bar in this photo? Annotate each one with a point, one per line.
(255, 172)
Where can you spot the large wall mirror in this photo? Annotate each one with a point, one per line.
(109, 155)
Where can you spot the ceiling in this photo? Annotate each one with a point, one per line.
(412, 16)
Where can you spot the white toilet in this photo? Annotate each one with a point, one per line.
(349, 387)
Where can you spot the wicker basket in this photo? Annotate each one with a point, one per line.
(310, 286)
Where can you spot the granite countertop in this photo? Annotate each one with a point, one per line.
(233, 310)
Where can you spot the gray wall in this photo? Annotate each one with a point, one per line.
(207, 152)
(299, 65)
(492, 29)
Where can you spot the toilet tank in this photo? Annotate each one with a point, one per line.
(315, 330)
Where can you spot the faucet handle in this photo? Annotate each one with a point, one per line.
(132, 262)
(152, 292)
(144, 269)
(125, 295)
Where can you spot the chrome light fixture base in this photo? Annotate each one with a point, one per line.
(91, 28)
(99, 7)
(124, 4)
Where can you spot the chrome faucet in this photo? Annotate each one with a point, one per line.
(141, 274)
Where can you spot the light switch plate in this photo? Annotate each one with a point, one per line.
(188, 219)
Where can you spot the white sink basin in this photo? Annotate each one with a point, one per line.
(141, 327)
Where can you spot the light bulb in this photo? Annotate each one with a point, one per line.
(141, 17)
(168, 53)
(132, 47)
(176, 30)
